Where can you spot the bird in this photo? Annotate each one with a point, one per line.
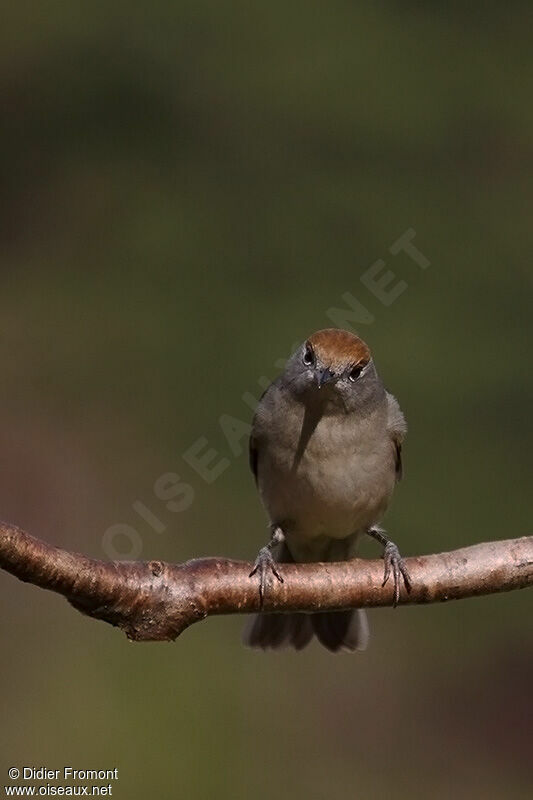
(326, 451)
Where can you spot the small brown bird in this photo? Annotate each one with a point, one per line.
(325, 450)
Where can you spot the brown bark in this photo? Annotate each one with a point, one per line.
(157, 601)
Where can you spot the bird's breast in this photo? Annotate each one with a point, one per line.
(331, 478)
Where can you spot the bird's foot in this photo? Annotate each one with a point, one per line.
(265, 564)
(395, 564)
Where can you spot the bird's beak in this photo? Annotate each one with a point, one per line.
(325, 376)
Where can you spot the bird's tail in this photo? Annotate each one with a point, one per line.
(335, 630)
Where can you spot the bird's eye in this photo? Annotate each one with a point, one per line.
(308, 356)
(355, 372)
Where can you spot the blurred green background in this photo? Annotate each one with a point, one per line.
(187, 189)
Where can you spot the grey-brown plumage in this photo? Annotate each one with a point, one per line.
(325, 449)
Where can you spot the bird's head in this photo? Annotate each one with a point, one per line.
(334, 368)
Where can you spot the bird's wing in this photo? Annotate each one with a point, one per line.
(253, 443)
(253, 455)
(265, 410)
(397, 428)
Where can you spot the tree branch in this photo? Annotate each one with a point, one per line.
(157, 601)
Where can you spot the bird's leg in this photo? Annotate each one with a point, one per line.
(264, 563)
(393, 562)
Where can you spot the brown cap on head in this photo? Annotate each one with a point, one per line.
(337, 348)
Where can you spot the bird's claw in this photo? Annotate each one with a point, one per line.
(395, 564)
(264, 564)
